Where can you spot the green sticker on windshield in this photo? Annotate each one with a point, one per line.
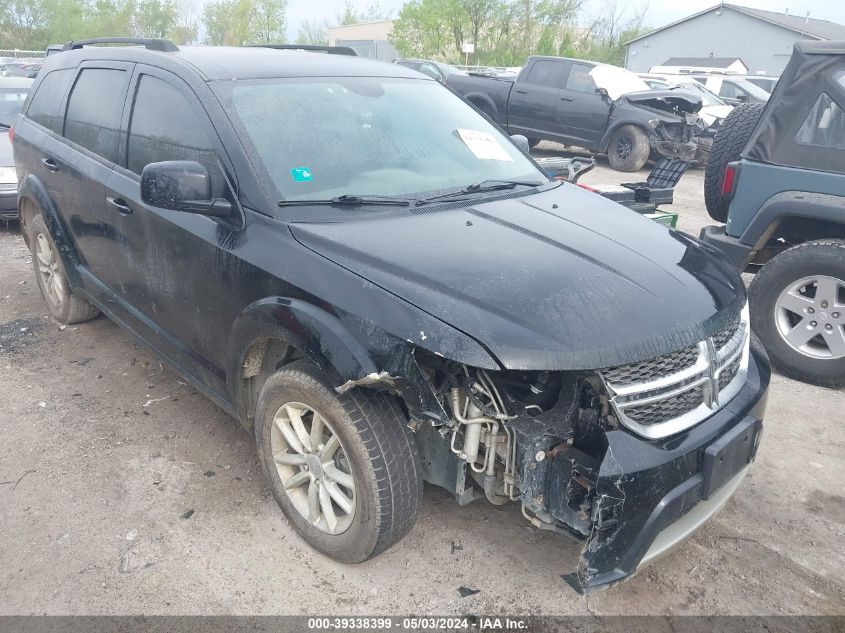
(301, 174)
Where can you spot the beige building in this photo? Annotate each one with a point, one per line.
(369, 39)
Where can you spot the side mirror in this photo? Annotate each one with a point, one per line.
(602, 91)
(521, 142)
(181, 185)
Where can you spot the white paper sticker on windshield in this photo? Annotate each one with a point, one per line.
(483, 145)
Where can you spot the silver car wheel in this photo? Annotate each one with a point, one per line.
(313, 467)
(810, 317)
(48, 268)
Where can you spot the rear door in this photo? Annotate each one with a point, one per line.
(80, 165)
(173, 282)
(533, 105)
(582, 112)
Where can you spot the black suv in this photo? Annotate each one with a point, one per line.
(359, 266)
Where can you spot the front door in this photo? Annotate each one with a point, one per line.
(582, 111)
(175, 272)
(533, 106)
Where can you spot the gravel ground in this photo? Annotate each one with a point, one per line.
(126, 492)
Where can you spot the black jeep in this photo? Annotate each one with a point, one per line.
(776, 174)
(363, 269)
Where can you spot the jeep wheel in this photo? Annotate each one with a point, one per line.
(727, 146)
(63, 305)
(344, 468)
(798, 311)
(628, 149)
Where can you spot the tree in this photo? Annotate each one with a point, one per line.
(267, 21)
(313, 32)
(155, 18)
(616, 24)
(185, 29)
(23, 23)
(349, 14)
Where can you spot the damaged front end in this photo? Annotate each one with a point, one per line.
(628, 460)
(676, 124)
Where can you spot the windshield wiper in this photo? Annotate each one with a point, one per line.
(480, 187)
(349, 201)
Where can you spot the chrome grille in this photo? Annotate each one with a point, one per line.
(671, 393)
(649, 370)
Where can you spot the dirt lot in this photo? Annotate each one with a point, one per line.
(125, 492)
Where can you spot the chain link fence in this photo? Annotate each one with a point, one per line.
(16, 53)
(20, 63)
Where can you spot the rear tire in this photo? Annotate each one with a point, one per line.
(374, 462)
(628, 149)
(793, 300)
(727, 146)
(63, 304)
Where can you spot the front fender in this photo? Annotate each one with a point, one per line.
(33, 189)
(313, 331)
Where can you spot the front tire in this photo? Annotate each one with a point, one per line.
(344, 468)
(64, 305)
(628, 149)
(797, 305)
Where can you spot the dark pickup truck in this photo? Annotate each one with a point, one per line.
(598, 107)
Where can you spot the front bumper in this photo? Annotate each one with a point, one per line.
(652, 495)
(8, 203)
(675, 149)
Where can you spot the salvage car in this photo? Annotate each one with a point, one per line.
(776, 177)
(386, 290)
(13, 91)
(435, 70)
(598, 107)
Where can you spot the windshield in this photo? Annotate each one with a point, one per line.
(751, 89)
(11, 100)
(708, 98)
(617, 81)
(370, 136)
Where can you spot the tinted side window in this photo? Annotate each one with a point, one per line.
(580, 79)
(166, 126)
(94, 110)
(547, 73)
(824, 125)
(45, 103)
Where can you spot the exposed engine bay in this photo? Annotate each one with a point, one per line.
(504, 428)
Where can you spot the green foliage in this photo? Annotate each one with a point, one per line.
(313, 32)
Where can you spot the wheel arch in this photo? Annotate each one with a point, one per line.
(33, 199)
(276, 330)
(616, 126)
(484, 104)
(796, 216)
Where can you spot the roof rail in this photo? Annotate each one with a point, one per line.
(311, 48)
(165, 46)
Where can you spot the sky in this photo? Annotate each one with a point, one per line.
(659, 12)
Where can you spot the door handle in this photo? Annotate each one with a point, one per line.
(522, 92)
(567, 99)
(120, 205)
(50, 164)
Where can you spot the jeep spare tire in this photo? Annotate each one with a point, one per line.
(727, 146)
(628, 149)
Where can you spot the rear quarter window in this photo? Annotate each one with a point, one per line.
(95, 108)
(45, 104)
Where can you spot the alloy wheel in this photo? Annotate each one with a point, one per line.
(48, 268)
(313, 467)
(810, 316)
(624, 147)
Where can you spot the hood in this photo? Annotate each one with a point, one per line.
(563, 279)
(676, 101)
